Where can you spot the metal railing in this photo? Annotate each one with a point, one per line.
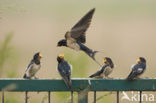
(80, 85)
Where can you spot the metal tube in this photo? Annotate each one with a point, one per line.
(117, 96)
(49, 97)
(94, 96)
(26, 97)
(140, 96)
(2, 96)
(72, 96)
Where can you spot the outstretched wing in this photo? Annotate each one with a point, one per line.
(78, 30)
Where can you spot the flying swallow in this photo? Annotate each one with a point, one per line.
(137, 69)
(33, 66)
(76, 37)
(64, 69)
(105, 70)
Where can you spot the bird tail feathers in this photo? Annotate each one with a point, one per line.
(93, 57)
(68, 82)
(26, 77)
(91, 76)
(130, 77)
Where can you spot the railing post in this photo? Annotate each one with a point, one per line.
(2, 96)
(26, 97)
(117, 96)
(94, 96)
(140, 96)
(82, 97)
(49, 97)
(72, 93)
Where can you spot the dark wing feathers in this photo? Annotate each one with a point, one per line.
(136, 71)
(132, 75)
(65, 71)
(30, 64)
(79, 29)
(29, 67)
(98, 73)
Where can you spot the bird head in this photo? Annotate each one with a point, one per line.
(62, 42)
(141, 60)
(37, 56)
(108, 61)
(60, 58)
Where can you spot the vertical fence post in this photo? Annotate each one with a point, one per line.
(94, 96)
(140, 96)
(2, 96)
(72, 95)
(49, 97)
(117, 96)
(82, 97)
(26, 97)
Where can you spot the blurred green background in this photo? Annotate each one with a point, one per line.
(123, 30)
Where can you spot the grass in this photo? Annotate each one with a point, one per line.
(8, 63)
(8, 57)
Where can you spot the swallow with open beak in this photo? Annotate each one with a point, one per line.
(64, 69)
(33, 67)
(137, 69)
(76, 37)
(105, 70)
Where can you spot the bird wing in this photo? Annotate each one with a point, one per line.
(30, 66)
(98, 73)
(65, 71)
(78, 30)
(136, 70)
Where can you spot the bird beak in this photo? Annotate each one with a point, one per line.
(105, 60)
(40, 55)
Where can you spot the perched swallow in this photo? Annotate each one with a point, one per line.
(64, 69)
(33, 67)
(105, 70)
(76, 37)
(137, 69)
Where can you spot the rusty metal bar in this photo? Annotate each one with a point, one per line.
(117, 96)
(140, 97)
(49, 96)
(2, 96)
(72, 96)
(26, 97)
(94, 96)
